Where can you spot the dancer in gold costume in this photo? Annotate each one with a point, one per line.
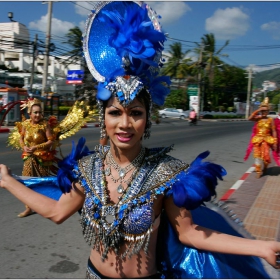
(38, 145)
(264, 137)
(39, 137)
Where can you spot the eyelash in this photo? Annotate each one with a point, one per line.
(134, 113)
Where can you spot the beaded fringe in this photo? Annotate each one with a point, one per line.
(95, 236)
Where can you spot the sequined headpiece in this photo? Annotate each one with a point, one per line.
(29, 103)
(265, 103)
(123, 45)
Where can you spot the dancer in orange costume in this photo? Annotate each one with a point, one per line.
(264, 138)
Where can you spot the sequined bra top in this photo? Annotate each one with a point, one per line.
(34, 133)
(264, 127)
(131, 219)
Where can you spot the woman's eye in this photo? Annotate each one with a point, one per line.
(136, 113)
(114, 113)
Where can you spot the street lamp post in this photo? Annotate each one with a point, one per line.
(46, 61)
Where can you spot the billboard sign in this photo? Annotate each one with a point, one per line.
(192, 90)
(75, 77)
(193, 103)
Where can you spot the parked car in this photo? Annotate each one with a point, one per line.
(272, 114)
(173, 113)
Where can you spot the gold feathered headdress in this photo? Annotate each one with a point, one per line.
(29, 103)
(265, 103)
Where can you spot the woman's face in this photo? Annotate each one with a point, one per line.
(125, 126)
(264, 112)
(36, 114)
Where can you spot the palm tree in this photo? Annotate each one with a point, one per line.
(74, 39)
(211, 56)
(177, 66)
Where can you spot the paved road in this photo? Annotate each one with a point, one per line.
(34, 247)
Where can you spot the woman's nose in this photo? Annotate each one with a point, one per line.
(125, 121)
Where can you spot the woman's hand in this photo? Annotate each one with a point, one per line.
(272, 253)
(32, 149)
(29, 150)
(5, 173)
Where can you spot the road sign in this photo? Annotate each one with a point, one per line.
(75, 77)
(192, 90)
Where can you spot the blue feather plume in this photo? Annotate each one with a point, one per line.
(65, 174)
(198, 183)
(134, 36)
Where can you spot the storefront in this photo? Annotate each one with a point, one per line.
(8, 95)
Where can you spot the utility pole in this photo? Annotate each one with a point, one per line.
(248, 92)
(199, 79)
(33, 61)
(46, 60)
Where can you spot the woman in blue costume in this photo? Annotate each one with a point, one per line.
(141, 209)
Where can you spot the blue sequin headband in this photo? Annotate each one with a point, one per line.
(123, 46)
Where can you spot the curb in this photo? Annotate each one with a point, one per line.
(4, 130)
(237, 184)
(7, 129)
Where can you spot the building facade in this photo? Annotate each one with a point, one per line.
(16, 52)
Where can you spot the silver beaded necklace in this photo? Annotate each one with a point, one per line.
(135, 164)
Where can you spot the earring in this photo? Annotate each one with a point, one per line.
(103, 133)
(147, 132)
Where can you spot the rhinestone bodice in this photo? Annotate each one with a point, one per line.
(34, 133)
(131, 219)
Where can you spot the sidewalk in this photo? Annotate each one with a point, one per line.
(255, 204)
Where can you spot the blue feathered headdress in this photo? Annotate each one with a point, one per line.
(124, 39)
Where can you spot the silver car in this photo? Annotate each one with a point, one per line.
(272, 114)
(173, 113)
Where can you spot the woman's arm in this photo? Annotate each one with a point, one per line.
(21, 141)
(209, 240)
(56, 211)
(254, 116)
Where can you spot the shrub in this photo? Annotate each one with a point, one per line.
(208, 116)
(63, 110)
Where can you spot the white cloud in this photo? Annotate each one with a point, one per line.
(58, 27)
(262, 68)
(82, 25)
(229, 23)
(273, 28)
(169, 11)
(84, 8)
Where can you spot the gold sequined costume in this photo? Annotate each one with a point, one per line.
(41, 162)
(263, 140)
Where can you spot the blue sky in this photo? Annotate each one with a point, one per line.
(253, 27)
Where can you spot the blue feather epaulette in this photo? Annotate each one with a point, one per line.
(197, 184)
(66, 174)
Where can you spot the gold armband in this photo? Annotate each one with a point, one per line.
(40, 146)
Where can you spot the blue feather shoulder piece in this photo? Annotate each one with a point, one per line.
(196, 184)
(66, 174)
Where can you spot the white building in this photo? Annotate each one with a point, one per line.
(16, 51)
(268, 86)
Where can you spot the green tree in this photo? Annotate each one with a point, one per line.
(211, 56)
(229, 82)
(177, 99)
(177, 66)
